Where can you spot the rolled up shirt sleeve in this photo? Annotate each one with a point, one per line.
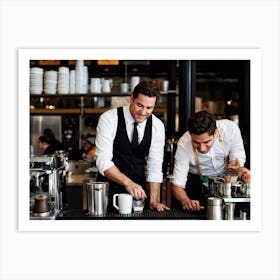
(105, 135)
(156, 152)
(232, 137)
(182, 161)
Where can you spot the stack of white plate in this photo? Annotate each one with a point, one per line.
(79, 76)
(72, 82)
(63, 80)
(50, 82)
(85, 80)
(36, 80)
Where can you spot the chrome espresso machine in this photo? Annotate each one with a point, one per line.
(47, 185)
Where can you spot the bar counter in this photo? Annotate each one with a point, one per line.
(172, 214)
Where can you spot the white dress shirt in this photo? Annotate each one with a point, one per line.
(211, 163)
(105, 134)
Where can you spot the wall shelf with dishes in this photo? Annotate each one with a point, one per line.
(83, 103)
(101, 85)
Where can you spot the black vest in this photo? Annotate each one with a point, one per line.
(131, 163)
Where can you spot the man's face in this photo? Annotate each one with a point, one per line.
(41, 145)
(142, 107)
(203, 142)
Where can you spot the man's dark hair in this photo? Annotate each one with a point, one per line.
(49, 133)
(202, 122)
(44, 139)
(147, 88)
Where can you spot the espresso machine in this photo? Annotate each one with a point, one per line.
(47, 185)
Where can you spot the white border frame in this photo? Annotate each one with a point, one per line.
(24, 57)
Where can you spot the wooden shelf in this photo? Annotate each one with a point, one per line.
(61, 111)
(76, 95)
(86, 109)
(58, 111)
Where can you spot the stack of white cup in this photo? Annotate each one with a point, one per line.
(50, 82)
(79, 76)
(36, 80)
(85, 80)
(63, 80)
(72, 82)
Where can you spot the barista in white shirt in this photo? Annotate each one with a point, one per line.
(129, 169)
(208, 148)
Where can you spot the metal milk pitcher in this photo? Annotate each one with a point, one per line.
(215, 208)
(229, 210)
(227, 189)
(97, 198)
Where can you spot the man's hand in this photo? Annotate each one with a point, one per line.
(158, 206)
(191, 205)
(234, 166)
(135, 190)
(114, 174)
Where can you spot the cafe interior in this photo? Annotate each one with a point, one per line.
(68, 97)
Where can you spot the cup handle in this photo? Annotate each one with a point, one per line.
(219, 179)
(115, 200)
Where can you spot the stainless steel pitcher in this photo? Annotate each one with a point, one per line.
(97, 198)
(215, 208)
(229, 210)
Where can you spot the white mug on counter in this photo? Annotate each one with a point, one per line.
(124, 204)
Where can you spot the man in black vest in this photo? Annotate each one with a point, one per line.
(129, 148)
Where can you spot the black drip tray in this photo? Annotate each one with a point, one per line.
(175, 214)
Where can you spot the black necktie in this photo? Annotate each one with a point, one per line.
(134, 142)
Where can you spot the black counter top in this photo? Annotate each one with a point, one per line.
(172, 214)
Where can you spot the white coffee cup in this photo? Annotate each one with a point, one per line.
(106, 86)
(165, 85)
(95, 85)
(124, 203)
(124, 87)
(135, 80)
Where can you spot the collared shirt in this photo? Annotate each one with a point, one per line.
(105, 135)
(211, 163)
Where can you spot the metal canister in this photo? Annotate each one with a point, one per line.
(215, 208)
(227, 190)
(229, 211)
(248, 189)
(243, 215)
(97, 198)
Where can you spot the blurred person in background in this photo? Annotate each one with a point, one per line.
(44, 144)
(56, 144)
(90, 145)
